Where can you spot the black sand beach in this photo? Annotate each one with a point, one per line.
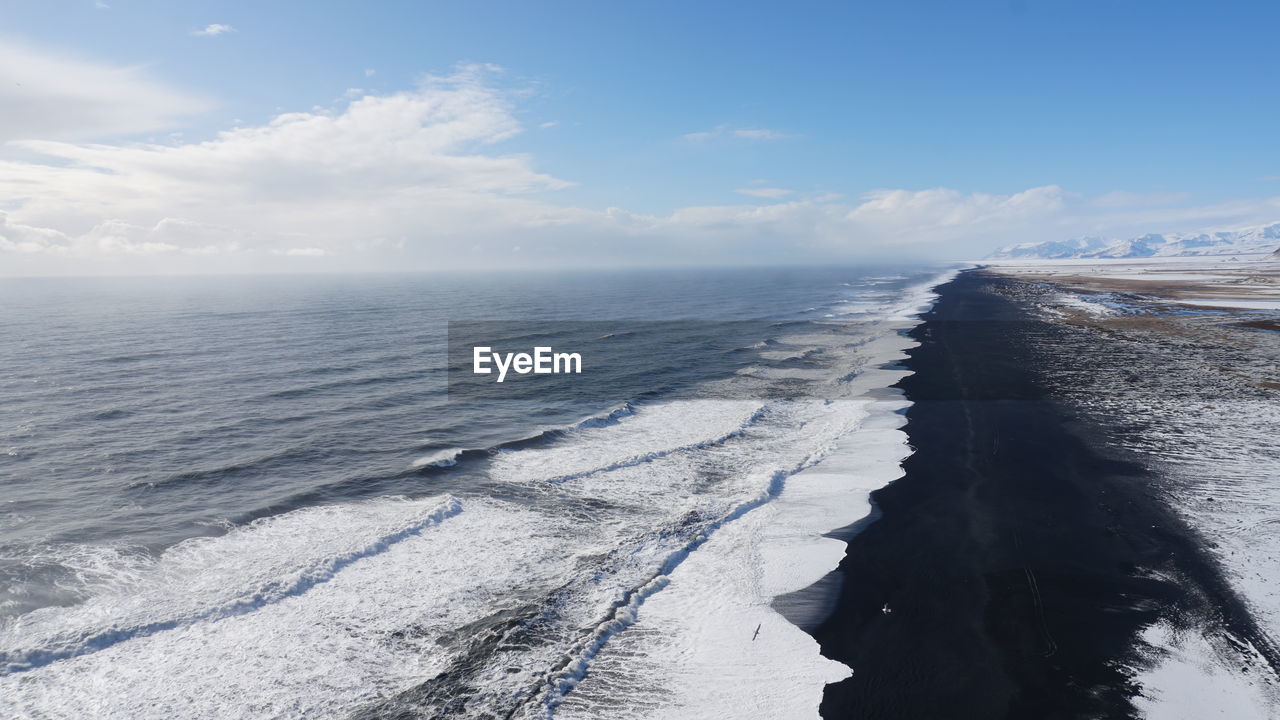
(1014, 564)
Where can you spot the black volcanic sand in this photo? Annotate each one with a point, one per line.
(1014, 558)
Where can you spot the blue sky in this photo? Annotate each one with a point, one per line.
(656, 106)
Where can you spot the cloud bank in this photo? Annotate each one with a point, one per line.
(418, 180)
(53, 97)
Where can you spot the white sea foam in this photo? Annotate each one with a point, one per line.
(206, 579)
(360, 632)
(703, 625)
(649, 433)
(608, 417)
(773, 373)
(714, 619)
(441, 458)
(688, 518)
(788, 353)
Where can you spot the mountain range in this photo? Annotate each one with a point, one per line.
(1257, 240)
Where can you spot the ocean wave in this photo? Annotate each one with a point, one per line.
(345, 384)
(442, 458)
(645, 512)
(626, 612)
(205, 579)
(653, 432)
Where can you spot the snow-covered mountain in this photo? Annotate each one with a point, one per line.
(1075, 247)
(1257, 240)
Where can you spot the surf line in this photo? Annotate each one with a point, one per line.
(557, 686)
(543, 361)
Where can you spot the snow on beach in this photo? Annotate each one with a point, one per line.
(1191, 681)
(1233, 303)
(1193, 384)
(1213, 278)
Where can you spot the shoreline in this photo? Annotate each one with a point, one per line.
(740, 608)
(1015, 566)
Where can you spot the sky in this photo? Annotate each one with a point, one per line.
(141, 137)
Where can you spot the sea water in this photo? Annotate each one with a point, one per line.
(277, 497)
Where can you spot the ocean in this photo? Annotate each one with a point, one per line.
(287, 497)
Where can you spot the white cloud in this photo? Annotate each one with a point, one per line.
(16, 237)
(213, 29)
(418, 180)
(53, 97)
(1125, 198)
(725, 131)
(699, 136)
(758, 134)
(936, 223)
(415, 163)
(117, 237)
(370, 72)
(765, 192)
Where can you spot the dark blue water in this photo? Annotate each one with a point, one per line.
(180, 451)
